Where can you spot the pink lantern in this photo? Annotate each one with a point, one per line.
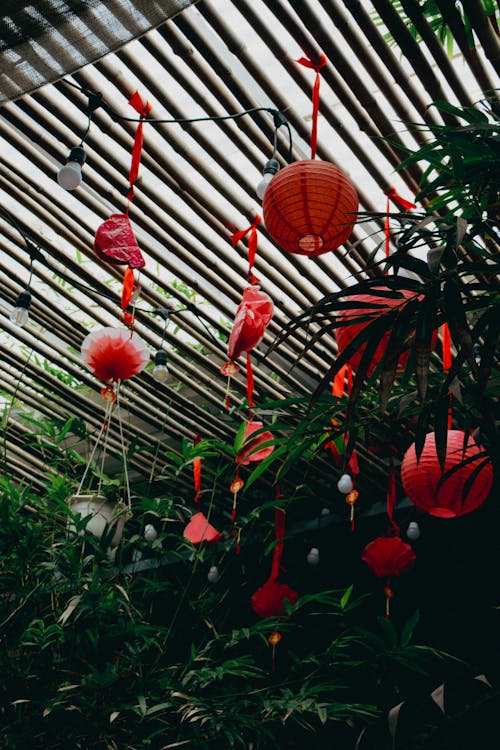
(114, 354)
(442, 494)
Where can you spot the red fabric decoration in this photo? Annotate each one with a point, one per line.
(388, 556)
(252, 245)
(254, 313)
(114, 353)
(346, 333)
(143, 109)
(248, 451)
(310, 207)
(268, 600)
(430, 490)
(200, 530)
(309, 63)
(338, 458)
(115, 242)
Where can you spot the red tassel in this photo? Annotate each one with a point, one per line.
(308, 63)
(136, 102)
(447, 361)
(128, 287)
(252, 245)
(402, 202)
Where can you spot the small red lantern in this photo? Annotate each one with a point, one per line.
(441, 493)
(252, 317)
(269, 600)
(388, 556)
(310, 207)
(114, 353)
(344, 334)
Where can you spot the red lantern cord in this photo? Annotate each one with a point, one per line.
(307, 62)
(197, 471)
(143, 109)
(447, 361)
(252, 246)
(402, 203)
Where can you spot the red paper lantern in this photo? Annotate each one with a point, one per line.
(249, 450)
(310, 207)
(199, 530)
(269, 600)
(388, 556)
(252, 317)
(441, 494)
(114, 354)
(344, 334)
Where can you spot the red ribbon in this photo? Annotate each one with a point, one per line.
(402, 203)
(128, 288)
(307, 62)
(143, 109)
(197, 470)
(252, 245)
(447, 360)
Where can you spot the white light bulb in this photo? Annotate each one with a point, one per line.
(262, 185)
(345, 485)
(325, 511)
(160, 370)
(313, 556)
(213, 575)
(20, 316)
(150, 533)
(69, 177)
(413, 530)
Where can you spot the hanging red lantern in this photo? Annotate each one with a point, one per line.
(310, 207)
(269, 599)
(249, 451)
(444, 493)
(114, 354)
(199, 530)
(115, 243)
(375, 306)
(388, 556)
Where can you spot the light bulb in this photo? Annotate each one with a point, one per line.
(213, 575)
(160, 370)
(150, 533)
(345, 485)
(70, 176)
(270, 168)
(313, 556)
(20, 314)
(413, 531)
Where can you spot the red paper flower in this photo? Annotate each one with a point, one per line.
(114, 353)
(249, 450)
(269, 600)
(388, 556)
(252, 316)
(200, 530)
(115, 243)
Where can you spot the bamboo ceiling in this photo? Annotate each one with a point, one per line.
(197, 186)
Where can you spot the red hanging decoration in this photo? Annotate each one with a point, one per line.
(143, 109)
(114, 354)
(115, 243)
(250, 449)
(197, 471)
(441, 493)
(252, 246)
(269, 599)
(253, 315)
(308, 62)
(388, 556)
(344, 334)
(310, 207)
(199, 530)
(403, 204)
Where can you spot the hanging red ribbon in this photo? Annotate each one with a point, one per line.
(307, 62)
(391, 498)
(252, 245)
(127, 291)
(143, 109)
(447, 360)
(338, 384)
(197, 471)
(402, 203)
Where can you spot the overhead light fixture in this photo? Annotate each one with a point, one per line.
(20, 314)
(160, 370)
(270, 168)
(70, 176)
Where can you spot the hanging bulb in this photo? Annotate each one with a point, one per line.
(70, 176)
(413, 531)
(213, 575)
(345, 485)
(270, 168)
(325, 512)
(160, 370)
(312, 556)
(20, 314)
(150, 533)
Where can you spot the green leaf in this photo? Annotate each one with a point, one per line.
(346, 596)
(409, 628)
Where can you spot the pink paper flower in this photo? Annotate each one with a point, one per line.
(114, 353)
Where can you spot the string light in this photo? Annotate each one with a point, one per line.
(20, 314)
(69, 176)
(160, 370)
(270, 168)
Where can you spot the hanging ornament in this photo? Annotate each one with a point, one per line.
(273, 640)
(199, 530)
(114, 354)
(388, 556)
(269, 599)
(372, 307)
(403, 204)
(313, 557)
(197, 471)
(236, 485)
(150, 533)
(351, 499)
(345, 484)
(462, 487)
(250, 450)
(253, 315)
(213, 575)
(252, 246)
(413, 531)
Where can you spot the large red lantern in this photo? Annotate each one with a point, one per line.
(310, 207)
(444, 493)
(375, 306)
